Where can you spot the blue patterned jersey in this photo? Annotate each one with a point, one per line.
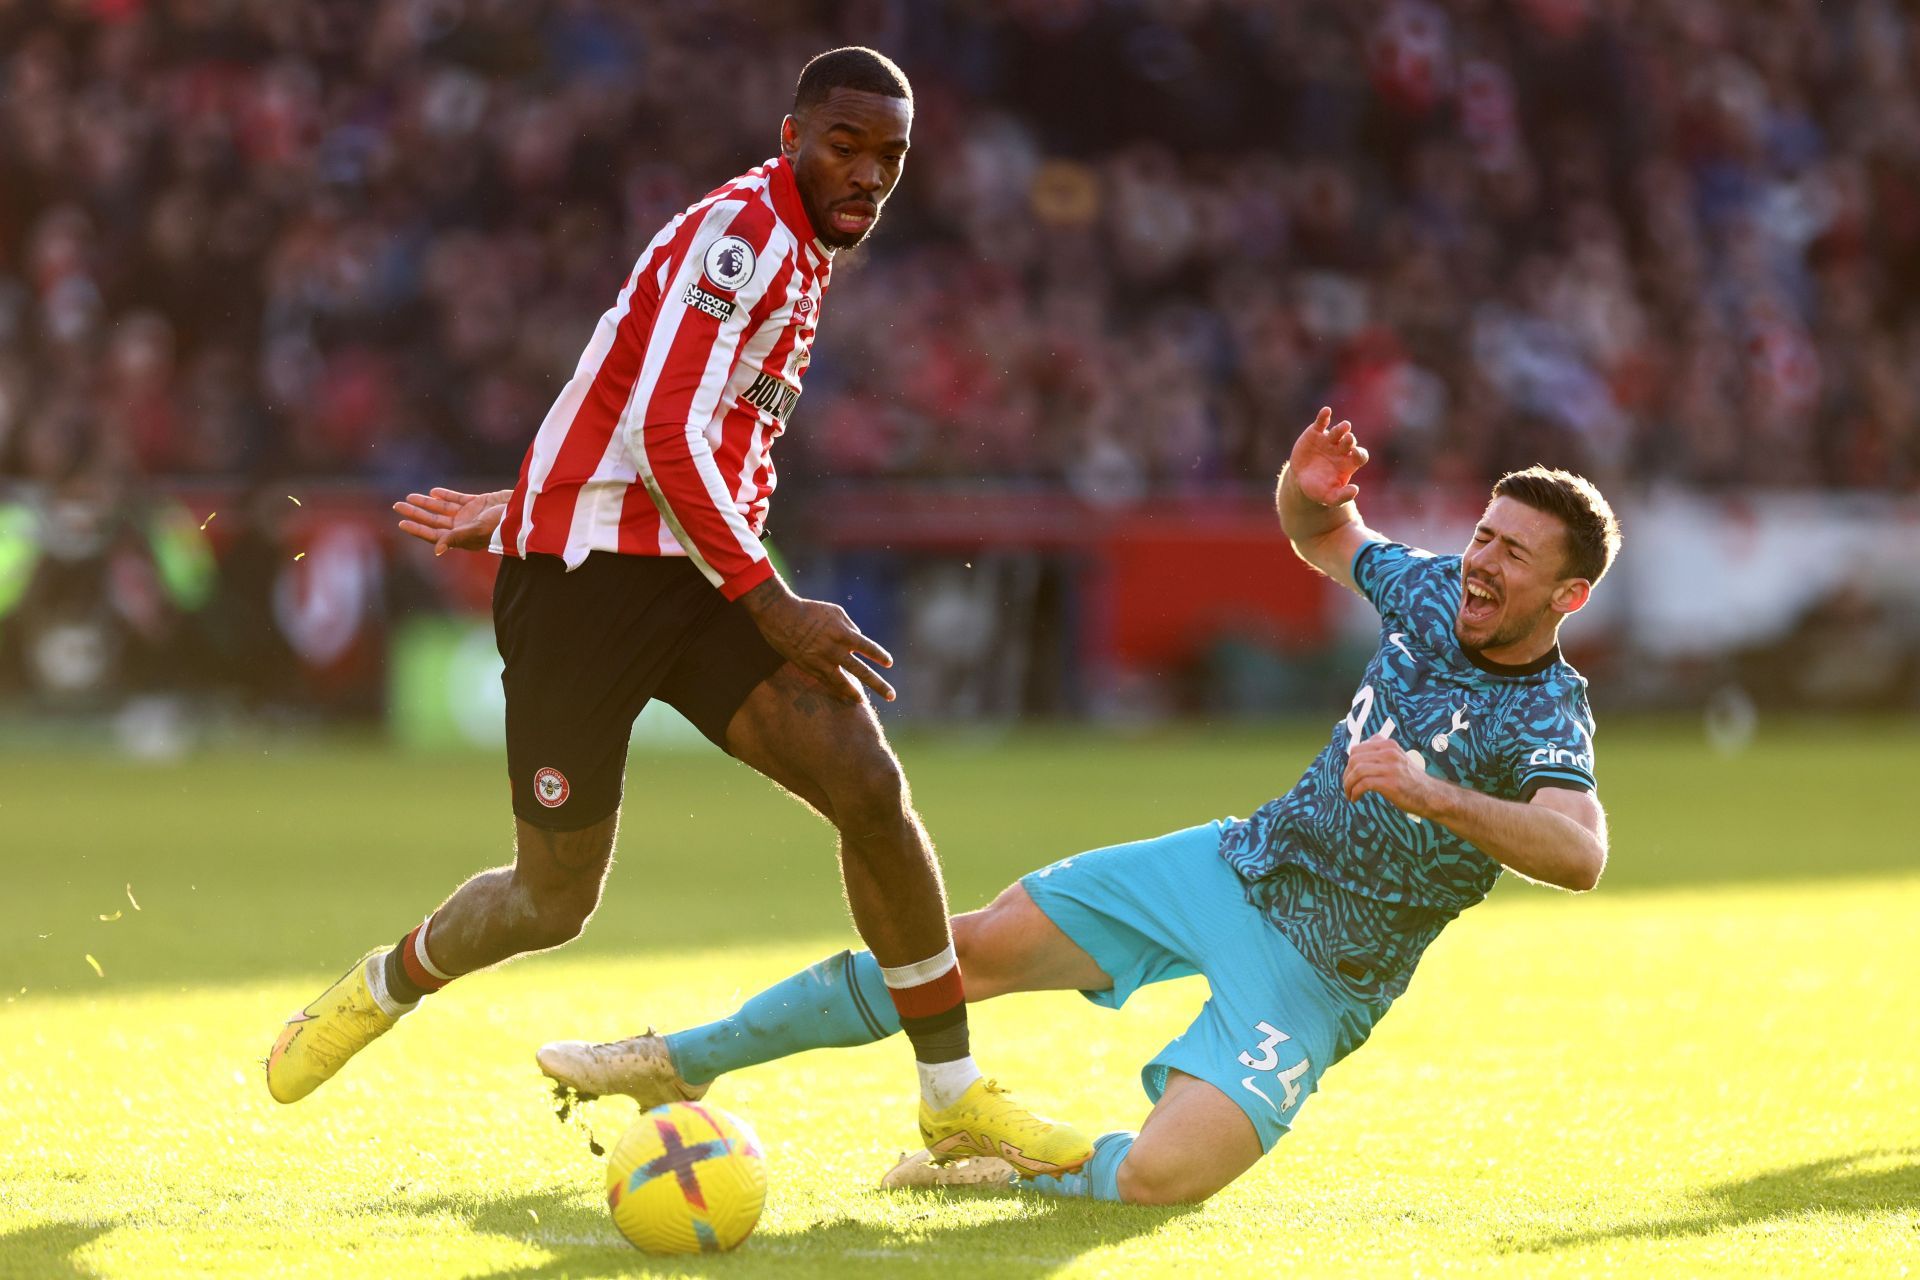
(1362, 889)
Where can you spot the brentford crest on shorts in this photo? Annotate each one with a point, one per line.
(550, 787)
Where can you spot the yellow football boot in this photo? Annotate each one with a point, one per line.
(985, 1122)
(320, 1038)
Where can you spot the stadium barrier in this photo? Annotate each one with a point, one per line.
(1010, 604)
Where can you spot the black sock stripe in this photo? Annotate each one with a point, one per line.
(399, 985)
(943, 1043)
(859, 1000)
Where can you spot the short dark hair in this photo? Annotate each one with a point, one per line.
(1593, 535)
(854, 67)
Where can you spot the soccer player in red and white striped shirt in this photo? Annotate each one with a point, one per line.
(631, 568)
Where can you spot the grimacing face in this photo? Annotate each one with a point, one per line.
(1512, 574)
(847, 152)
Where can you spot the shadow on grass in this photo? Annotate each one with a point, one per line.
(1855, 1185)
(47, 1249)
(581, 1238)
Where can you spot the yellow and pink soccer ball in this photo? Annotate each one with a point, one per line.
(687, 1178)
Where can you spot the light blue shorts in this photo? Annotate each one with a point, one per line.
(1172, 907)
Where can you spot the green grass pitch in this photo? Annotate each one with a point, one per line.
(1711, 1066)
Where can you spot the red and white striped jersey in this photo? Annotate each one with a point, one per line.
(661, 443)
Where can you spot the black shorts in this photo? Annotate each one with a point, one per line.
(586, 650)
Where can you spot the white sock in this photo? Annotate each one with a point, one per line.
(920, 971)
(942, 1083)
(377, 985)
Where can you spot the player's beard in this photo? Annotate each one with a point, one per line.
(1511, 631)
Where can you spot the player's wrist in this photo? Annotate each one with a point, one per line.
(1440, 801)
(1291, 491)
(781, 617)
(767, 598)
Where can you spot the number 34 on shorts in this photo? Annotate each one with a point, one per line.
(1263, 1059)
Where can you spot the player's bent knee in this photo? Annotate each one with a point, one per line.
(994, 946)
(1150, 1180)
(554, 915)
(871, 798)
(980, 972)
(556, 923)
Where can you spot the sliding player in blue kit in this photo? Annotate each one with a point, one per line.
(1468, 749)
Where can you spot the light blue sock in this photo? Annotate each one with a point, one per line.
(840, 1001)
(1098, 1178)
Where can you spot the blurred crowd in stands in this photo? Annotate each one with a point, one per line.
(1138, 241)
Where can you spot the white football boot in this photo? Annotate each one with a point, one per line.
(641, 1068)
(924, 1171)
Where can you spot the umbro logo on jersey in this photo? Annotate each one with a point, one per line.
(729, 262)
(700, 300)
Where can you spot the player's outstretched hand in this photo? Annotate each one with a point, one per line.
(1396, 776)
(448, 518)
(1324, 459)
(819, 638)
